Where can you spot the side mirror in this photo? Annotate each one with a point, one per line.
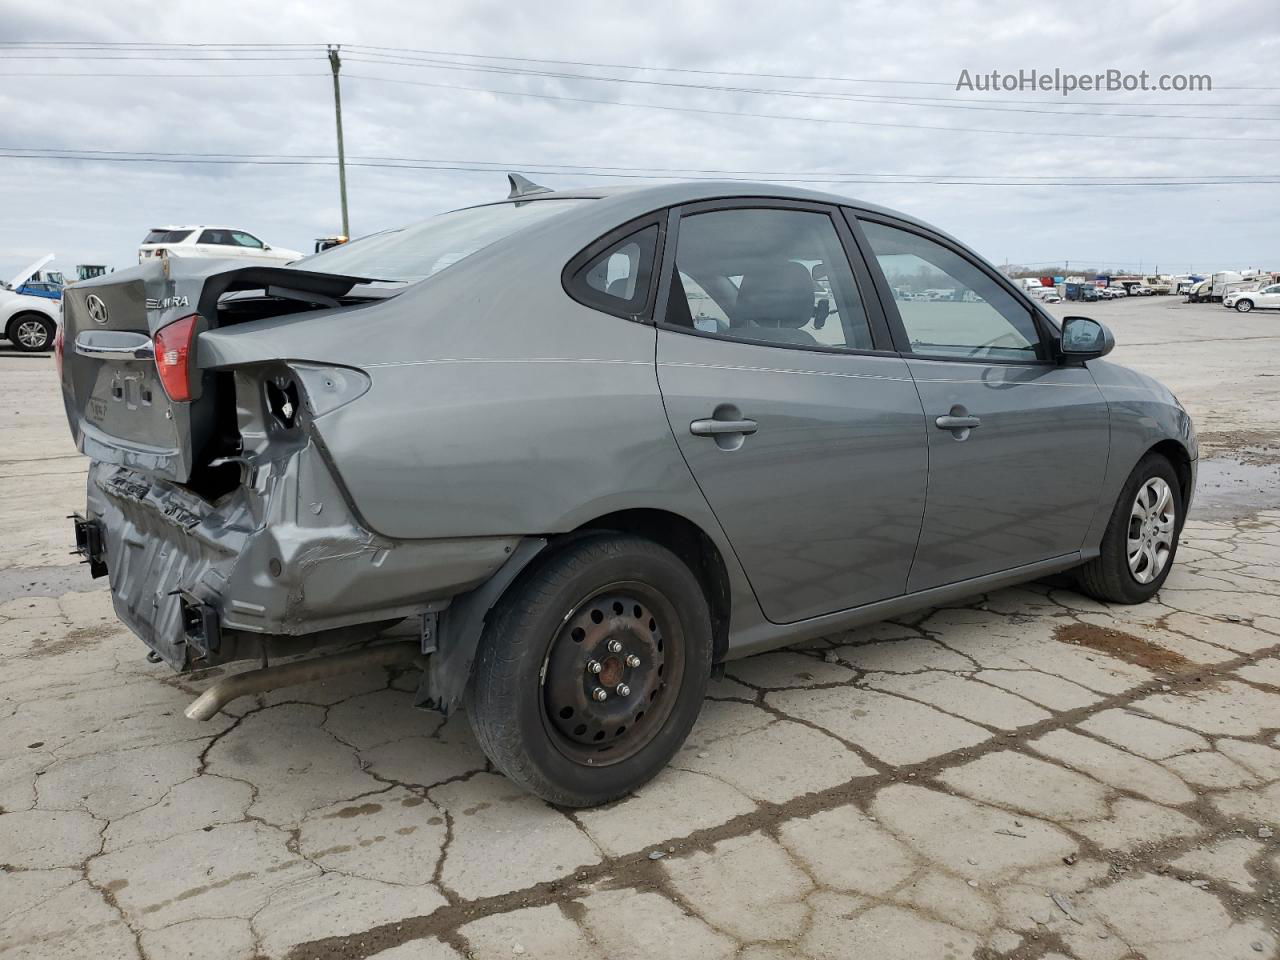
(821, 310)
(1085, 339)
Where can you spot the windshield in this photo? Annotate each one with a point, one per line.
(410, 254)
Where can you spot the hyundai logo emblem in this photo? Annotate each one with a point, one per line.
(97, 309)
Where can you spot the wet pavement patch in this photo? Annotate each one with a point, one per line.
(1235, 486)
(1249, 446)
(1125, 646)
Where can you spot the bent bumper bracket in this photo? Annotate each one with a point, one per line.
(90, 545)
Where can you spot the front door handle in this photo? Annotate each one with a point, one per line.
(712, 428)
(957, 423)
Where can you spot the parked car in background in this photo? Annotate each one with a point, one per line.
(1115, 293)
(572, 497)
(1141, 290)
(29, 321)
(42, 288)
(1268, 298)
(1200, 291)
(1083, 292)
(206, 241)
(324, 243)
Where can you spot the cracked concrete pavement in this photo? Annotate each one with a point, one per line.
(1030, 774)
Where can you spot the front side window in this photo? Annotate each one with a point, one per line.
(949, 306)
(768, 276)
(245, 240)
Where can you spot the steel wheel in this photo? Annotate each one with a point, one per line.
(610, 673)
(1152, 528)
(32, 335)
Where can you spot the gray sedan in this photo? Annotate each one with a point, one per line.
(571, 451)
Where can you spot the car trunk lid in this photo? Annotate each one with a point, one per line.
(115, 399)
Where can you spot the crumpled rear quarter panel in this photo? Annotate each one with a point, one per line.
(285, 557)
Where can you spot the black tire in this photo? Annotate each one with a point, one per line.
(1244, 306)
(531, 659)
(22, 327)
(1107, 577)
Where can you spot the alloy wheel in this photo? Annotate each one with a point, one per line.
(32, 334)
(1152, 528)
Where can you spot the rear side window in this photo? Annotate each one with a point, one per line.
(221, 237)
(768, 276)
(617, 279)
(167, 236)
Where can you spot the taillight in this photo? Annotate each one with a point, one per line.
(57, 350)
(173, 344)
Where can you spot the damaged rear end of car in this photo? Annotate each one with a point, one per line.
(213, 506)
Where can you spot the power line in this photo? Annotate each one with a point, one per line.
(828, 120)
(954, 103)
(722, 73)
(928, 103)
(183, 57)
(506, 165)
(577, 63)
(168, 76)
(76, 44)
(319, 47)
(656, 174)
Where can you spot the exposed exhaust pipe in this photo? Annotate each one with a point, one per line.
(207, 705)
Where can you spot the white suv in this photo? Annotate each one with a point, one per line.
(1268, 298)
(205, 241)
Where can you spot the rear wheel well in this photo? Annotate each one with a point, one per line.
(687, 541)
(1177, 455)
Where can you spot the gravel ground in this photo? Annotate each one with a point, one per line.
(1029, 775)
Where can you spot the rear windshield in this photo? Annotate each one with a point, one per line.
(167, 236)
(414, 253)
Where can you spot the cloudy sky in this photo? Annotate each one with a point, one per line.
(504, 85)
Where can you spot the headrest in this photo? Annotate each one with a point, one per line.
(777, 294)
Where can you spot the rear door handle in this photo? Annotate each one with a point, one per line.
(712, 428)
(957, 423)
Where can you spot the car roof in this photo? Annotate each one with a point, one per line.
(643, 198)
(199, 226)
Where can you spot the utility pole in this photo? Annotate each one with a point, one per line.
(335, 63)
